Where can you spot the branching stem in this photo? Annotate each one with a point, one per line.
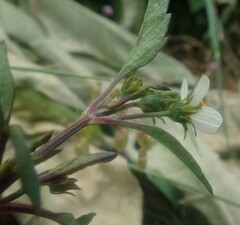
(28, 209)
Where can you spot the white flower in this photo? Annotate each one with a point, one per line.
(205, 119)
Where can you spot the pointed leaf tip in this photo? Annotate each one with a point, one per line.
(151, 36)
(176, 148)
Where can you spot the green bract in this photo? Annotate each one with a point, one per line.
(131, 84)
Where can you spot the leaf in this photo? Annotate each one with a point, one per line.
(129, 17)
(79, 163)
(25, 167)
(21, 26)
(63, 185)
(85, 219)
(196, 6)
(6, 86)
(68, 219)
(151, 38)
(51, 86)
(32, 105)
(176, 148)
(75, 22)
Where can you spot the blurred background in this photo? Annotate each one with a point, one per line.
(63, 53)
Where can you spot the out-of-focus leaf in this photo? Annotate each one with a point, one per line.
(19, 25)
(85, 219)
(6, 170)
(6, 86)
(129, 17)
(52, 50)
(76, 22)
(166, 187)
(176, 148)
(151, 38)
(196, 5)
(26, 29)
(71, 166)
(106, 44)
(50, 86)
(25, 167)
(63, 185)
(68, 219)
(12, 46)
(59, 73)
(32, 105)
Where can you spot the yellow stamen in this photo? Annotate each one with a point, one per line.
(204, 103)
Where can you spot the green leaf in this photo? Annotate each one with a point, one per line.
(195, 6)
(75, 23)
(32, 105)
(22, 26)
(151, 38)
(81, 162)
(175, 147)
(68, 219)
(25, 167)
(63, 185)
(128, 16)
(85, 219)
(6, 86)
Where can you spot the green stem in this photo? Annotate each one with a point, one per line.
(146, 115)
(127, 98)
(95, 105)
(119, 109)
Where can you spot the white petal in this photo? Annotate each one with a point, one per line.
(193, 137)
(200, 91)
(207, 120)
(184, 89)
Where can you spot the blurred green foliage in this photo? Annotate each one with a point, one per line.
(189, 42)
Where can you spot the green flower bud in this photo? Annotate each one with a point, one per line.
(131, 85)
(151, 103)
(158, 101)
(180, 112)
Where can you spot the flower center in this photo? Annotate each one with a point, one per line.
(203, 103)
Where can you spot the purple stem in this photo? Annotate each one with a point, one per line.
(28, 209)
(63, 136)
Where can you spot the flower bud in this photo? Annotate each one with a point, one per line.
(144, 140)
(142, 159)
(151, 103)
(157, 101)
(121, 139)
(131, 85)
